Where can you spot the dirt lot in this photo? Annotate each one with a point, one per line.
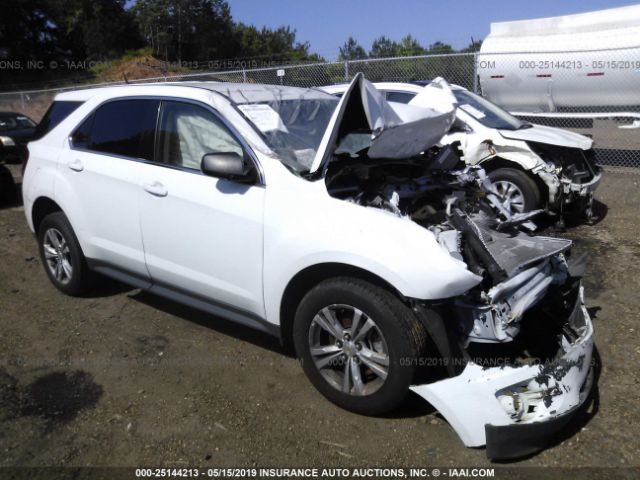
(125, 378)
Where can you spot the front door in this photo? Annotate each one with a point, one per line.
(201, 235)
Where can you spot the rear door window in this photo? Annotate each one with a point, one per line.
(56, 113)
(121, 127)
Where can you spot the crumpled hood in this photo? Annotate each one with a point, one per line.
(549, 135)
(397, 131)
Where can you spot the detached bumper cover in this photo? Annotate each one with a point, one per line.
(514, 410)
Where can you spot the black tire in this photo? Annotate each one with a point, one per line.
(8, 190)
(522, 181)
(404, 339)
(81, 279)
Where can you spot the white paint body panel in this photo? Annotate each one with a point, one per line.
(205, 236)
(103, 200)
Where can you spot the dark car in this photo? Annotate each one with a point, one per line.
(16, 130)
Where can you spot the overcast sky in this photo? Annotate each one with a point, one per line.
(326, 24)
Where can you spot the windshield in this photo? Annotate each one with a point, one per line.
(292, 125)
(487, 113)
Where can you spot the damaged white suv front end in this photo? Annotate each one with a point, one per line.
(514, 351)
(520, 361)
(514, 409)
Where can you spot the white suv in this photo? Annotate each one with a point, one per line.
(337, 225)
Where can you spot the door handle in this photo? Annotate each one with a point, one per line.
(156, 188)
(75, 165)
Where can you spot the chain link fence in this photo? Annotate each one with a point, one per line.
(516, 82)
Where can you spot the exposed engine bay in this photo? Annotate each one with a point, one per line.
(460, 207)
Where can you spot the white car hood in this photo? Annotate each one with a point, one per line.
(398, 131)
(549, 135)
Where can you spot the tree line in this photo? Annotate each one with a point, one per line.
(72, 31)
(384, 47)
(59, 31)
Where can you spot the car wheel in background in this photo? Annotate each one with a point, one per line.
(518, 191)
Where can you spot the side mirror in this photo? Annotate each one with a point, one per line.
(227, 165)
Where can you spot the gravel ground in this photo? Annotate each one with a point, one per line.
(125, 378)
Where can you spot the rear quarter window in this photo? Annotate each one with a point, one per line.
(57, 112)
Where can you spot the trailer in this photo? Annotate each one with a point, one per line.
(588, 61)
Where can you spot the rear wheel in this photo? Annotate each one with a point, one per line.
(518, 191)
(358, 344)
(62, 256)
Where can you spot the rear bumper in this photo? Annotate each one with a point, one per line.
(515, 410)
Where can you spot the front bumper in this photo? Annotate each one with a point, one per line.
(516, 441)
(578, 197)
(514, 410)
(573, 191)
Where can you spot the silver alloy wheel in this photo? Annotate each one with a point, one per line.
(511, 195)
(349, 350)
(57, 256)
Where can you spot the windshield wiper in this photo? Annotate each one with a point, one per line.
(525, 126)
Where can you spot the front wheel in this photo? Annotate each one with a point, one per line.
(518, 191)
(358, 344)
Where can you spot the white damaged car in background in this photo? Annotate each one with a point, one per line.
(340, 226)
(532, 166)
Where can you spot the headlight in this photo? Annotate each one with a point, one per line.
(7, 141)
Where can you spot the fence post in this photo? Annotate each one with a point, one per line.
(475, 72)
(244, 75)
(346, 70)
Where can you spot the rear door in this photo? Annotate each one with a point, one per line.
(202, 235)
(105, 166)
